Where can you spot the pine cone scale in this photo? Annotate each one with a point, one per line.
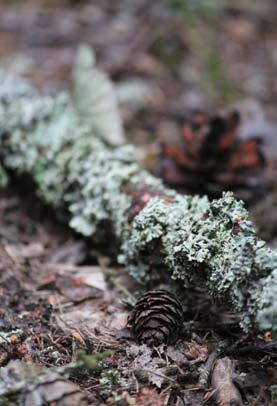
(170, 314)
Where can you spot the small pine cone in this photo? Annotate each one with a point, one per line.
(156, 318)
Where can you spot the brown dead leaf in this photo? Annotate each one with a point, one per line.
(89, 275)
(76, 293)
(141, 353)
(13, 339)
(54, 300)
(7, 262)
(196, 351)
(72, 253)
(75, 283)
(47, 281)
(125, 399)
(175, 354)
(149, 397)
(75, 334)
(19, 251)
(145, 363)
(21, 350)
(89, 318)
(157, 376)
(92, 276)
(119, 320)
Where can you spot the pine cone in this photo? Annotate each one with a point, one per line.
(211, 158)
(156, 318)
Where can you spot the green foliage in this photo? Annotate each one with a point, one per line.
(85, 363)
(92, 362)
(112, 377)
(202, 18)
(192, 9)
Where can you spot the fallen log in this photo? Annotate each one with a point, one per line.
(102, 192)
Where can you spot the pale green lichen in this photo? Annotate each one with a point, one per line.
(198, 243)
(186, 239)
(266, 302)
(3, 176)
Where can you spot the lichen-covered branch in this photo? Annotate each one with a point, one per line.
(104, 192)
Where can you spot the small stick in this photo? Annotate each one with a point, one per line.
(226, 393)
(259, 347)
(150, 371)
(205, 373)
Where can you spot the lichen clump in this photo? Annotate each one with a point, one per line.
(185, 238)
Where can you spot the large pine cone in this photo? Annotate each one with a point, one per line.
(211, 157)
(156, 318)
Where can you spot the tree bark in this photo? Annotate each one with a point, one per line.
(104, 193)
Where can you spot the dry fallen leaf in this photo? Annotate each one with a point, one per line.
(157, 377)
(149, 397)
(72, 252)
(119, 320)
(75, 334)
(75, 283)
(90, 275)
(19, 251)
(76, 291)
(195, 351)
(175, 354)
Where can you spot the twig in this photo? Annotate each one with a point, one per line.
(173, 382)
(205, 373)
(260, 347)
(226, 393)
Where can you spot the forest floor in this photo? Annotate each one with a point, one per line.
(62, 298)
